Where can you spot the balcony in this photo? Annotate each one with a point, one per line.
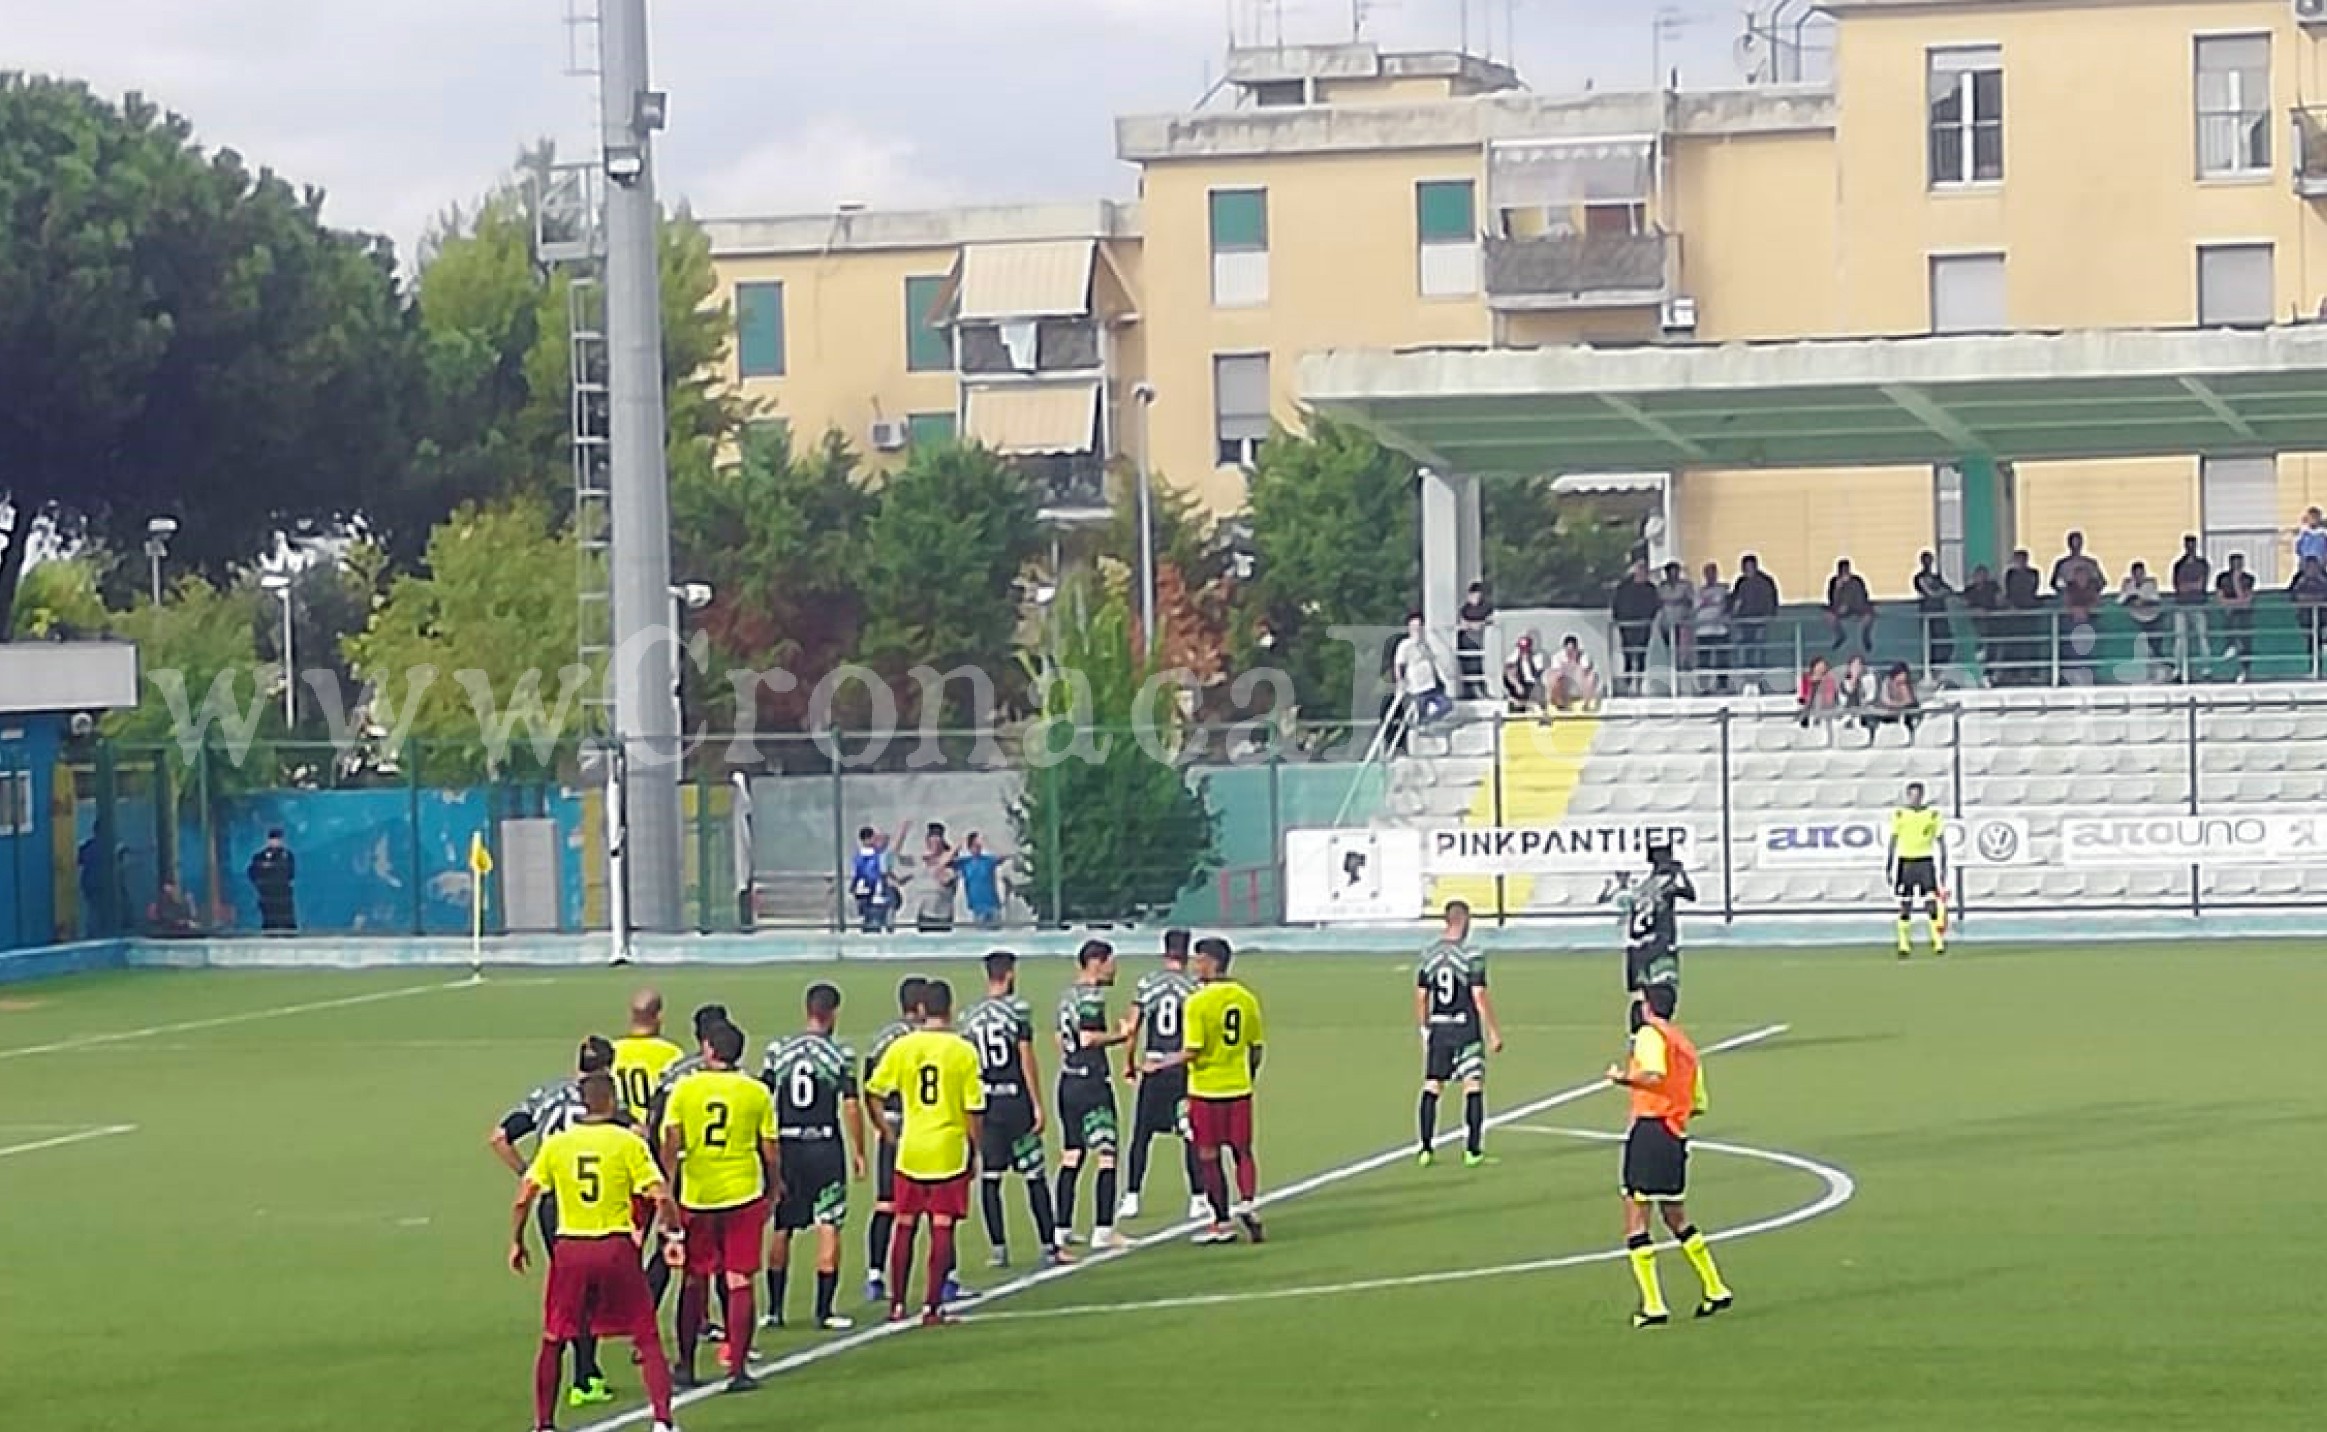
(1072, 487)
(1046, 345)
(2311, 152)
(1574, 271)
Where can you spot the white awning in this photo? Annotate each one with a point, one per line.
(1049, 279)
(1051, 418)
(1585, 484)
(1561, 173)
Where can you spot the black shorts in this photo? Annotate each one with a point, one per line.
(1656, 1163)
(815, 1184)
(1086, 1114)
(1650, 962)
(1007, 1142)
(1918, 877)
(1162, 1103)
(1454, 1051)
(885, 1171)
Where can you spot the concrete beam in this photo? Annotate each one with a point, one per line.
(1653, 426)
(2212, 402)
(1930, 414)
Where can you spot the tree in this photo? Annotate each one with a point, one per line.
(1196, 587)
(1333, 545)
(181, 335)
(947, 541)
(1128, 833)
(200, 686)
(476, 658)
(62, 600)
(1545, 550)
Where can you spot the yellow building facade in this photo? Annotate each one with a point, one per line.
(1976, 166)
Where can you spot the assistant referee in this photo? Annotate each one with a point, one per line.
(1918, 869)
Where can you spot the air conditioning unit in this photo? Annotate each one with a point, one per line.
(2311, 12)
(1678, 317)
(892, 435)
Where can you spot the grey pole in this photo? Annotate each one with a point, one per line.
(645, 666)
(1144, 395)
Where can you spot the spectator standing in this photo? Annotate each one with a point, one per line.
(96, 898)
(2079, 582)
(1984, 598)
(1634, 607)
(1421, 679)
(274, 874)
(1470, 641)
(868, 882)
(933, 906)
(2311, 539)
(1676, 598)
(981, 881)
(1752, 603)
(1819, 695)
(2139, 598)
(1849, 608)
(1573, 684)
(2024, 598)
(2309, 590)
(1524, 673)
(1709, 627)
(1932, 594)
(2192, 585)
(2234, 589)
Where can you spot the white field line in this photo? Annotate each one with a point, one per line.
(1840, 1188)
(865, 1337)
(222, 1021)
(81, 1136)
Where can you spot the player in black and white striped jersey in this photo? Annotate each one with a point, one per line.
(1161, 1106)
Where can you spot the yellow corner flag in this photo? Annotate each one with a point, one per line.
(480, 866)
(480, 859)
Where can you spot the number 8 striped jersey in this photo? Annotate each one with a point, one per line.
(1162, 1000)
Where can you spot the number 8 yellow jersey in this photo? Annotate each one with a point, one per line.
(934, 1074)
(721, 1117)
(1223, 1029)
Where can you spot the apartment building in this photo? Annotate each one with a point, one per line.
(1972, 166)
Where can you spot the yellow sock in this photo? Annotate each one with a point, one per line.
(1701, 1258)
(1938, 924)
(1644, 1273)
(1906, 934)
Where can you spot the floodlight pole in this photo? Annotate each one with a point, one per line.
(644, 668)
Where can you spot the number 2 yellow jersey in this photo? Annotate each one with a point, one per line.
(721, 1117)
(1223, 1028)
(639, 1064)
(934, 1074)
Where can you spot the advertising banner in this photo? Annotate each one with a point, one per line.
(1862, 842)
(1572, 848)
(2242, 838)
(1334, 876)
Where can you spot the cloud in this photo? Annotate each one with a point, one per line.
(829, 159)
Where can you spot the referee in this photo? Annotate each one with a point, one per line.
(1918, 869)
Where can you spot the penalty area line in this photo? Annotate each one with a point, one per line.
(79, 1136)
(1839, 1189)
(866, 1337)
(222, 1021)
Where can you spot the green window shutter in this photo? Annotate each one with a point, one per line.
(928, 346)
(759, 330)
(930, 429)
(1240, 219)
(1446, 211)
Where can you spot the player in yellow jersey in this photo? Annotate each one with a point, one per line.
(643, 1056)
(934, 1074)
(595, 1169)
(1221, 1048)
(719, 1142)
(1918, 869)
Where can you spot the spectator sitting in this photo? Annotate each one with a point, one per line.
(1849, 608)
(1752, 602)
(1894, 703)
(1819, 698)
(1523, 677)
(171, 915)
(1574, 685)
(1634, 606)
(1470, 641)
(1709, 627)
(1983, 598)
(1676, 598)
(1421, 680)
(2139, 598)
(2309, 589)
(1856, 685)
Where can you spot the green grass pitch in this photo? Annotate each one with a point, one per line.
(2088, 1196)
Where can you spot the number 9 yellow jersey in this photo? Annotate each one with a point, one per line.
(1223, 1029)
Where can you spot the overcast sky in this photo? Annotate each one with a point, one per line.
(777, 106)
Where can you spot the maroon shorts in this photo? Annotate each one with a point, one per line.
(597, 1288)
(727, 1240)
(1220, 1123)
(933, 1198)
(641, 1211)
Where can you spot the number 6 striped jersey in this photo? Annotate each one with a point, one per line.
(809, 1075)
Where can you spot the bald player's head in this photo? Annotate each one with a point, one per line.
(646, 1012)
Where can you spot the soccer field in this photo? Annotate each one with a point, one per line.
(2086, 1196)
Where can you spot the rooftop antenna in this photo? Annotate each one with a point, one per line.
(1671, 21)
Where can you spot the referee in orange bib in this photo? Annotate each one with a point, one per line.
(1668, 1089)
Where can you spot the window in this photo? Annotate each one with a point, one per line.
(1947, 531)
(1446, 228)
(1967, 116)
(930, 429)
(2238, 501)
(1240, 247)
(759, 330)
(1967, 293)
(2234, 117)
(928, 342)
(2236, 288)
(16, 810)
(1279, 94)
(1240, 406)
